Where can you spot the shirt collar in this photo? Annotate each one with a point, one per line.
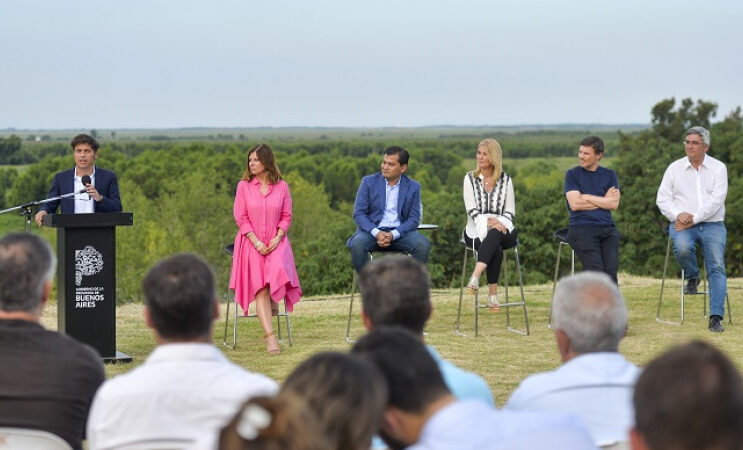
(704, 162)
(77, 177)
(185, 351)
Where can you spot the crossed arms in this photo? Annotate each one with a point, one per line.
(588, 202)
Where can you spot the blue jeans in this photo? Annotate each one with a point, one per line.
(362, 243)
(712, 237)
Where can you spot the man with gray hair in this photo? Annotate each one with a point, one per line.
(595, 382)
(692, 197)
(48, 380)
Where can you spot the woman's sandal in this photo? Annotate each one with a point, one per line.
(274, 351)
(493, 303)
(473, 285)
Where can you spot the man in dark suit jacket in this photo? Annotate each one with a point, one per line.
(387, 212)
(101, 193)
(48, 380)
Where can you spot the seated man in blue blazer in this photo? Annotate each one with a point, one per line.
(387, 212)
(101, 192)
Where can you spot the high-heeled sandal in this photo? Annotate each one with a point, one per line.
(473, 285)
(493, 302)
(274, 351)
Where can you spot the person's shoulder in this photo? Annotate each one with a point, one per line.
(258, 382)
(372, 177)
(412, 182)
(714, 162)
(574, 171)
(65, 173)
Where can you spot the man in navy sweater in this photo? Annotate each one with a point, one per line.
(101, 188)
(592, 192)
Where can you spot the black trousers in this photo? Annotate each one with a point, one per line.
(490, 251)
(597, 248)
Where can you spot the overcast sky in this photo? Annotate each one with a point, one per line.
(361, 63)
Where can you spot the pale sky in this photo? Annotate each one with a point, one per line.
(361, 63)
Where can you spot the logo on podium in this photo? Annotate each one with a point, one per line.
(88, 261)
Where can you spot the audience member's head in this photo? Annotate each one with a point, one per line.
(26, 271)
(273, 423)
(588, 315)
(689, 398)
(181, 299)
(395, 290)
(416, 387)
(346, 394)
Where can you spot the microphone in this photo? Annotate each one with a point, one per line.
(85, 180)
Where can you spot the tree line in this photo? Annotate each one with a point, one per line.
(181, 194)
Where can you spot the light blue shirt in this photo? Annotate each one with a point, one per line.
(391, 218)
(471, 424)
(463, 384)
(597, 387)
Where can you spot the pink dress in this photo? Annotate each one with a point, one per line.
(251, 271)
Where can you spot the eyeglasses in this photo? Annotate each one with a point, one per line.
(693, 143)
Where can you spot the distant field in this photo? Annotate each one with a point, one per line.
(310, 133)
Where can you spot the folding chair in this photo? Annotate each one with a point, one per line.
(230, 250)
(702, 292)
(507, 304)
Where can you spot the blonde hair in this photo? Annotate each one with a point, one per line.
(495, 156)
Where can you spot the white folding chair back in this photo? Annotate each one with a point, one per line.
(26, 439)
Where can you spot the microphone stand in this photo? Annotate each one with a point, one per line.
(28, 208)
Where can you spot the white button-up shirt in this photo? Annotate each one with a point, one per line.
(83, 202)
(183, 392)
(700, 193)
(473, 425)
(597, 387)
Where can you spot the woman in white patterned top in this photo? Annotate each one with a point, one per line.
(491, 208)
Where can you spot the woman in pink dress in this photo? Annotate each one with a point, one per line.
(263, 264)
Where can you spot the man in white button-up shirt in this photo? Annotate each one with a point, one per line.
(422, 413)
(186, 390)
(692, 196)
(595, 382)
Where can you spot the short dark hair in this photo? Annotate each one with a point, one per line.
(395, 290)
(26, 264)
(332, 384)
(402, 155)
(413, 377)
(595, 142)
(691, 397)
(85, 139)
(179, 293)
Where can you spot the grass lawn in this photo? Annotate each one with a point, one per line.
(503, 358)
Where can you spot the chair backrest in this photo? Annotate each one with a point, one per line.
(24, 439)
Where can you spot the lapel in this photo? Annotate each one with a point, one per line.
(382, 186)
(401, 195)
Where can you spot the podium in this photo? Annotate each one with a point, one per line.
(86, 278)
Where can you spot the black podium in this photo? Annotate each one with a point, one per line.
(86, 278)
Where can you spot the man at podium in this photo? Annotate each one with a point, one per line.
(96, 190)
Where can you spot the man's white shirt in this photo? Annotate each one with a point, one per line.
(700, 193)
(184, 391)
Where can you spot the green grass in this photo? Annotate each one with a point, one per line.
(503, 358)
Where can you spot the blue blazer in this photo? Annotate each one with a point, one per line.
(371, 200)
(106, 184)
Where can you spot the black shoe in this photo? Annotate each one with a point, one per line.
(715, 324)
(691, 286)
